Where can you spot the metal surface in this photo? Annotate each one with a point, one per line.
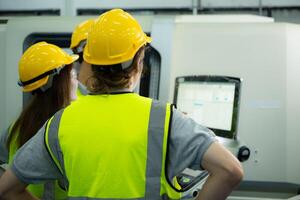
(265, 56)
(70, 7)
(2, 75)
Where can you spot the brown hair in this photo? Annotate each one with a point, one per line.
(113, 77)
(42, 106)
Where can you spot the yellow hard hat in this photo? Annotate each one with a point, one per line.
(38, 62)
(80, 32)
(114, 38)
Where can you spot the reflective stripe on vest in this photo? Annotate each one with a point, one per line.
(155, 150)
(49, 189)
(53, 146)
(156, 186)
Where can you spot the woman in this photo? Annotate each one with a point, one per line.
(116, 144)
(78, 42)
(46, 72)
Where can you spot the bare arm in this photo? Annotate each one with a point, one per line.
(225, 173)
(12, 188)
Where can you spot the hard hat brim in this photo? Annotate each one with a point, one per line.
(74, 57)
(43, 81)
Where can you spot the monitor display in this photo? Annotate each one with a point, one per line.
(211, 101)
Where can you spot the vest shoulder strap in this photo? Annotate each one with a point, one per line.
(155, 150)
(53, 147)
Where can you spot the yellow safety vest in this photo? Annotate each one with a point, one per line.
(114, 147)
(79, 94)
(38, 190)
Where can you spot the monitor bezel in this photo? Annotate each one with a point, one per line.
(232, 134)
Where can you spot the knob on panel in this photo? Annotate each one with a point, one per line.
(243, 153)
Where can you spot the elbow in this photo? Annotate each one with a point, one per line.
(234, 174)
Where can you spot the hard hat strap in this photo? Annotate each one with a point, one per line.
(50, 72)
(115, 67)
(80, 47)
(48, 84)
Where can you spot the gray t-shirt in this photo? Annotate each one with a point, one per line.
(32, 163)
(188, 142)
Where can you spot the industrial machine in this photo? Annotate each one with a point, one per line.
(2, 66)
(266, 56)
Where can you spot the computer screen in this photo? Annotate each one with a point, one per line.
(211, 101)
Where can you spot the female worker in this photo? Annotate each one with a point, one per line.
(46, 71)
(78, 42)
(114, 144)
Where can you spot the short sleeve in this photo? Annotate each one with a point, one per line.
(188, 143)
(3, 147)
(32, 162)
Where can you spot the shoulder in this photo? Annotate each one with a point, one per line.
(182, 124)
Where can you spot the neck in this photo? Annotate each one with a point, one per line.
(84, 72)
